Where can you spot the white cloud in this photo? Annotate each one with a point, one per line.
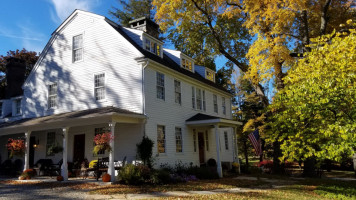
(63, 8)
(32, 40)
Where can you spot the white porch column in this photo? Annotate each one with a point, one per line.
(111, 168)
(217, 139)
(64, 168)
(27, 150)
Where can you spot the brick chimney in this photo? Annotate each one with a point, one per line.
(146, 25)
(15, 77)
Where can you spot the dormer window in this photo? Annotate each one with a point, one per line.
(187, 63)
(152, 45)
(210, 75)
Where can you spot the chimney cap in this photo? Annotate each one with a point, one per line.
(148, 21)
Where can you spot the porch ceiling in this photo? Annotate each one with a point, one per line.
(208, 120)
(70, 119)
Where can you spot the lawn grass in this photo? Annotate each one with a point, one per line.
(264, 187)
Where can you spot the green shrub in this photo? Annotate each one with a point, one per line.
(131, 175)
(144, 151)
(160, 176)
(203, 172)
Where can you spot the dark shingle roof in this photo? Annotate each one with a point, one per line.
(166, 61)
(200, 116)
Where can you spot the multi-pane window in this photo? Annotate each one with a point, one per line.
(96, 132)
(209, 75)
(193, 98)
(52, 95)
(18, 106)
(51, 140)
(226, 140)
(195, 140)
(160, 85)
(179, 143)
(204, 103)
(215, 100)
(199, 101)
(99, 86)
(186, 64)
(152, 47)
(207, 140)
(78, 47)
(223, 105)
(177, 92)
(148, 45)
(161, 139)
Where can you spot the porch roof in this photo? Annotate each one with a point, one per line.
(70, 119)
(209, 120)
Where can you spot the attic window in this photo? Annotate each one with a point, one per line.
(186, 64)
(152, 46)
(210, 75)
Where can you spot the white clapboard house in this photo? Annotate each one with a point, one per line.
(94, 74)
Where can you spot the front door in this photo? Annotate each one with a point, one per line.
(79, 148)
(201, 147)
(32, 151)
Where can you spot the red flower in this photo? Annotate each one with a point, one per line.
(103, 139)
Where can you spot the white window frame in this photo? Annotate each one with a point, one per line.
(186, 63)
(204, 102)
(49, 95)
(226, 138)
(223, 105)
(215, 103)
(181, 139)
(177, 92)
(193, 98)
(15, 106)
(211, 72)
(152, 45)
(199, 102)
(160, 86)
(100, 86)
(163, 140)
(79, 48)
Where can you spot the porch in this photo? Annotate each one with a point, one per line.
(201, 122)
(74, 131)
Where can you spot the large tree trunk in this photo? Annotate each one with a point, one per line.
(309, 168)
(277, 166)
(246, 152)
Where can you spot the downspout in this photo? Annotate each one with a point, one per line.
(143, 95)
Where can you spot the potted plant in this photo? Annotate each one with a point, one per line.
(16, 147)
(102, 142)
(54, 149)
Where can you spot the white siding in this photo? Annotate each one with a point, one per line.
(105, 50)
(168, 113)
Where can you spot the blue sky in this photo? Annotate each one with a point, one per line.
(29, 23)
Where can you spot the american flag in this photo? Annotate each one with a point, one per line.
(256, 141)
